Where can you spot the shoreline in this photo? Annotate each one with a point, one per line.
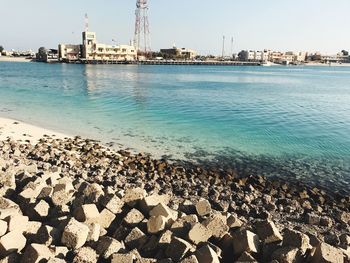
(124, 187)
(14, 59)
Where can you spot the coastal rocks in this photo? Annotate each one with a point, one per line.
(325, 253)
(75, 234)
(81, 202)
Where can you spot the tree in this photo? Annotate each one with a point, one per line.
(345, 53)
(1, 49)
(41, 55)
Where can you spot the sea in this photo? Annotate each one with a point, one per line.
(289, 122)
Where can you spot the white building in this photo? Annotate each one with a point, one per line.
(91, 51)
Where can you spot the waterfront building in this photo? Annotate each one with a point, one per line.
(92, 51)
(183, 53)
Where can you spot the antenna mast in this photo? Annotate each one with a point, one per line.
(232, 46)
(86, 20)
(142, 33)
(223, 46)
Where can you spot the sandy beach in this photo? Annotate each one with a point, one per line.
(14, 59)
(23, 132)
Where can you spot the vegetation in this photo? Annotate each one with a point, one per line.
(1, 49)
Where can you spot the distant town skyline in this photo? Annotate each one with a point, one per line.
(315, 25)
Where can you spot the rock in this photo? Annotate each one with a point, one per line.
(149, 202)
(245, 241)
(233, 222)
(178, 249)
(287, 255)
(87, 214)
(41, 209)
(135, 239)
(85, 255)
(36, 253)
(216, 225)
(199, 233)
(344, 217)
(296, 239)
(75, 234)
(165, 239)
(326, 221)
(94, 232)
(60, 251)
(190, 259)
(106, 218)
(246, 258)
(113, 204)
(156, 224)
(133, 218)
(46, 235)
(312, 219)
(12, 242)
(325, 253)
(207, 255)
(163, 210)
(268, 232)
(123, 258)
(3, 227)
(107, 246)
(17, 223)
(134, 195)
(203, 207)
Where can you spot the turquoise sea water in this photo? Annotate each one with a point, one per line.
(281, 121)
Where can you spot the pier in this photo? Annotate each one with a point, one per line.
(170, 62)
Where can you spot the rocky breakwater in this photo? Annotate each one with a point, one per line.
(73, 200)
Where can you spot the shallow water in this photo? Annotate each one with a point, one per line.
(280, 121)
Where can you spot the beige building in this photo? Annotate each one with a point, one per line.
(92, 51)
(183, 53)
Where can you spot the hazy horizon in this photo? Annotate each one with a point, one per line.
(318, 25)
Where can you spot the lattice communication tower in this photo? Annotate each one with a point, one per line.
(142, 33)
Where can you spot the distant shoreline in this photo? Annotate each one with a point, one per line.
(14, 59)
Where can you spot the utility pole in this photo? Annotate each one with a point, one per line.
(232, 46)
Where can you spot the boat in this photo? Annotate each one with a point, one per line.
(266, 64)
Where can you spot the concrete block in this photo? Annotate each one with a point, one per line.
(85, 255)
(17, 223)
(12, 242)
(134, 195)
(133, 218)
(203, 207)
(268, 232)
(245, 241)
(199, 233)
(107, 246)
(207, 255)
(217, 226)
(94, 232)
(178, 249)
(156, 224)
(75, 234)
(327, 254)
(123, 258)
(106, 218)
(163, 210)
(135, 239)
(36, 253)
(3, 227)
(87, 213)
(297, 239)
(113, 204)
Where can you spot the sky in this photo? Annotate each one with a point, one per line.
(281, 25)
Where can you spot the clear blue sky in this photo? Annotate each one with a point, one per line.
(309, 25)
